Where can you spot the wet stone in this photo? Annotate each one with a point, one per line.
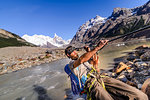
(138, 64)
(138, 53)
(139, 86)
(130, 70)
(131, 57)
(114, 75)
(145, 56)
(142, 47)
(122, 78)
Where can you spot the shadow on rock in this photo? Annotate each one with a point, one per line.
(42, 93)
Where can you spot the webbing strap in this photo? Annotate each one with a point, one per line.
(88, 93)
(93, 69)
(90, 74)
(103, 85)
(92, 84)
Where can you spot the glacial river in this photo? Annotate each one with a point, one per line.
(43, 82)
(49, 81)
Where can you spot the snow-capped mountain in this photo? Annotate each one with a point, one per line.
(46, 41)
(90, 23)
(121, 21)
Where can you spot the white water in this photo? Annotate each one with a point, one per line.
(47, 81)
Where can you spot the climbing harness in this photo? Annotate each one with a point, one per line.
(90, 74)
(78, 86)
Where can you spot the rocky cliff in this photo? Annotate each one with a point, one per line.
(11, 39)
(121, 21)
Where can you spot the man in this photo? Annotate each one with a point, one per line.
(112, 89)
(94, 60)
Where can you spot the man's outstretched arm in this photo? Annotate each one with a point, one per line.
(86, 56)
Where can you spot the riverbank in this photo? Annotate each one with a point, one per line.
(16, 58)
(133, 68)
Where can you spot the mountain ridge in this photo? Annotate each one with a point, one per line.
(121, 21)
(46, 41)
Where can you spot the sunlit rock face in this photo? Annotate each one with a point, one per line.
(121, 21)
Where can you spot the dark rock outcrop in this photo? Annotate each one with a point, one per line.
(145, 9)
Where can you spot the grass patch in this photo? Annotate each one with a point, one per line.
(5, 42)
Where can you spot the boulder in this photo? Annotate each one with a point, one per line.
(122, 78)
(139, 86)
(41, 57)
(137, 60)
(142, 47)
(131, 57)
(121, 67)
(48, 55)
(138, 53)
(140, 64)
(145, 56)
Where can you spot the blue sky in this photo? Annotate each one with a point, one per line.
(62, 17)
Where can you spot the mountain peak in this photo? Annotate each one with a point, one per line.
(90, 23)
(117, 12)
(55, 35)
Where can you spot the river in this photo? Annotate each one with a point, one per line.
(43, 82)
(49, 81)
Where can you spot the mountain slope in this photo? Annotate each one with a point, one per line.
(122, 21)
(11, 39)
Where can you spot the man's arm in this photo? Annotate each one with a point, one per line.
(86, 56)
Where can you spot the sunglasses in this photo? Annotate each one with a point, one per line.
(70, 50)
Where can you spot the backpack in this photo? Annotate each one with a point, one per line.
(75, 86)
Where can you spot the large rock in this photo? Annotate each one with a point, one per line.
(145, 56)
(122, 66)
(142, 47)
(138, 53)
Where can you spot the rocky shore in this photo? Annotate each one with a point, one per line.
(134, 69)
(16, 58)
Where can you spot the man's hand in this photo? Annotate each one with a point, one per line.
(101, 43)
(87, 48)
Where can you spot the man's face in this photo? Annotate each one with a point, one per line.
(74, 55)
